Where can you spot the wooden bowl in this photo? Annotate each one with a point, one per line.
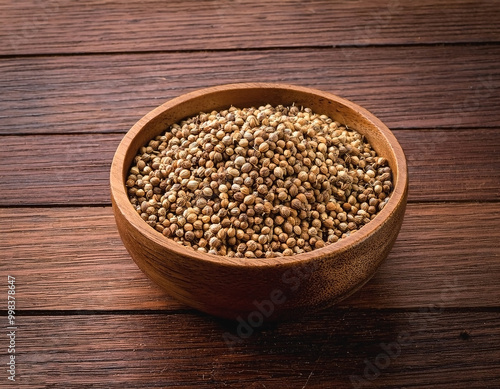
(254, 290)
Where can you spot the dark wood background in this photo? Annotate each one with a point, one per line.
(74, 77)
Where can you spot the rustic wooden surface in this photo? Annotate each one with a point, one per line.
(74, 77)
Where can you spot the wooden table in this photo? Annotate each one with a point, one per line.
(75, 77)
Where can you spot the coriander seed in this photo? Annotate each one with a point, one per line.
(258, 182)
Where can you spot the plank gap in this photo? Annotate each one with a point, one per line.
(192, 311)
(251, 49)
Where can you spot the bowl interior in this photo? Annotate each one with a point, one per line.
(247, 95)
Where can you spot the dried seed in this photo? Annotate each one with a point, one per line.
(263, 182)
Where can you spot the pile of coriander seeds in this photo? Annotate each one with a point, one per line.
(258, 182)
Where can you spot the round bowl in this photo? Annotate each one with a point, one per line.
(254, 290)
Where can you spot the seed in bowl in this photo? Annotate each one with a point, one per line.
(258, 182)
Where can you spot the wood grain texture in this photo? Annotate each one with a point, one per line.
(32, 27)
(73, 259)
(449, 165)
(74, 169)
(439, 348)
(405, 87)
(74, 77)
(57, 170)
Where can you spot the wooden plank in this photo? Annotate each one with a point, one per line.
(74, 169)
(72, 258)
(359, 348)
(406, 87)
(61, 169)
(33, 27)
(447, 165)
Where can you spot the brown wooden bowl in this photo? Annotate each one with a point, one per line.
(255, 290)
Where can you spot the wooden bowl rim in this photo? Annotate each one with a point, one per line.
(122, 204)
